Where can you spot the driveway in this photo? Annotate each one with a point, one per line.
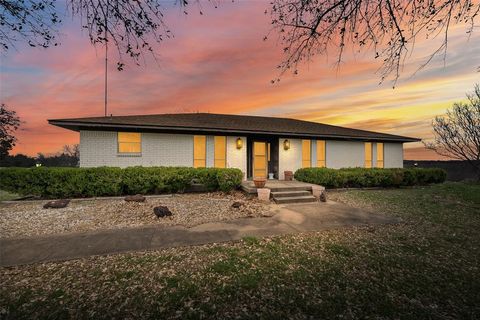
(286, 219)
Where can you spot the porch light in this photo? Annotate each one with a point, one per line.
(286, 144)
(239, 143)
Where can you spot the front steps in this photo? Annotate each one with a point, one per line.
(284, 191)
(295, 196)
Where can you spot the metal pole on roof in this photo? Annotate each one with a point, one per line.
(106, 58)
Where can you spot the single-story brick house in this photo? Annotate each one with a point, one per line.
(255, 145)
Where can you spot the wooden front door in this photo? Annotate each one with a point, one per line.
(259, 159)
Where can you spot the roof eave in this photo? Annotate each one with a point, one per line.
(77, 125)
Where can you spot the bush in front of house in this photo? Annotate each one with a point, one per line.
(374, 177)
(109, 181)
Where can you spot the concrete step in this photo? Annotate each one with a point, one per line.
(292, 188)
(299, 199)
(296, 193)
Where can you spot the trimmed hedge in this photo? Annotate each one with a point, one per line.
(362, 178)
(109, 181)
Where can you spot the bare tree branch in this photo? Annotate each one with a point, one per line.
(457, 134)
(309, 28)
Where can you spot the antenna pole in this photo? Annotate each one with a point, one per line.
(106, 59)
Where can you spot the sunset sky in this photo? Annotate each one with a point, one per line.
(219, 63)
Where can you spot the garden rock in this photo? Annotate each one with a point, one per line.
(162, 211)
(56, 204)
(237, 204)
(135, 198)
(323, 196)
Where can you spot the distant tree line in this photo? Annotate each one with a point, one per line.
(68, 157)
(9, 124)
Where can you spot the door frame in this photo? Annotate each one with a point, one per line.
(272, 165)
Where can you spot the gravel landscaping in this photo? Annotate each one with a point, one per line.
(26, 219)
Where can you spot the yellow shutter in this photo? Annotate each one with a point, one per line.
(380, 162)
(306, 154)
(368, 154)
(129, 142)
(321, 161)
(220, 152)
(199, 151)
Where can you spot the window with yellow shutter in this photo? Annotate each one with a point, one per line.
(129, 142)
(220, 152)
(321, 160)
(380, 154)
(199, 151)
(306, 154)
(368, 154)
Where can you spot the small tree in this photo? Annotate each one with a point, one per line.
(457, 134)
(72, 153)
(9, 123)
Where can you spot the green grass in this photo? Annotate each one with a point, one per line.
(424, 268)
(5, 195)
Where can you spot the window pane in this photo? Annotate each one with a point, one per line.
(368, 154)
(199, 151)
(129, 147)
(320, 153)
(220, 149)
(219, 163)
(199, 163)
(380, 155)
(306, 154)
(129, 142)
(129, 137)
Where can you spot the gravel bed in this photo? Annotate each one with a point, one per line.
(26, 219)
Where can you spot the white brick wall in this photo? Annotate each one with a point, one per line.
(237, 158)
(345, 154)
(99, 148)
(393, 153)
(210, 151)
(291, 159)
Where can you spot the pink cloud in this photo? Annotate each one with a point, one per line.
(217, 62)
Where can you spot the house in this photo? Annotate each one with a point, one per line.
(255, 145)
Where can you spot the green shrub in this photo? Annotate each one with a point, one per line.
(108, 181)
(362, 178)
(229, 179)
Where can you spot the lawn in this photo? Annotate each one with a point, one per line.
(426, 267)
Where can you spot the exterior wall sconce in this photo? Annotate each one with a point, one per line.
(239, 143)
(286, 144)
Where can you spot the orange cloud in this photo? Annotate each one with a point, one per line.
(218, 62)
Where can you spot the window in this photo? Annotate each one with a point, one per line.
(321, 161)
(199, 152)
(129, 142)
(220, 152)
(306, 154)
(380, 155)
(368, 154)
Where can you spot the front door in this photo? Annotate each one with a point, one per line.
(259, 159)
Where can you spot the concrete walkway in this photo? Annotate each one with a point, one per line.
(287, 219)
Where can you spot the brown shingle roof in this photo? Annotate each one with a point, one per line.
(234, 124)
